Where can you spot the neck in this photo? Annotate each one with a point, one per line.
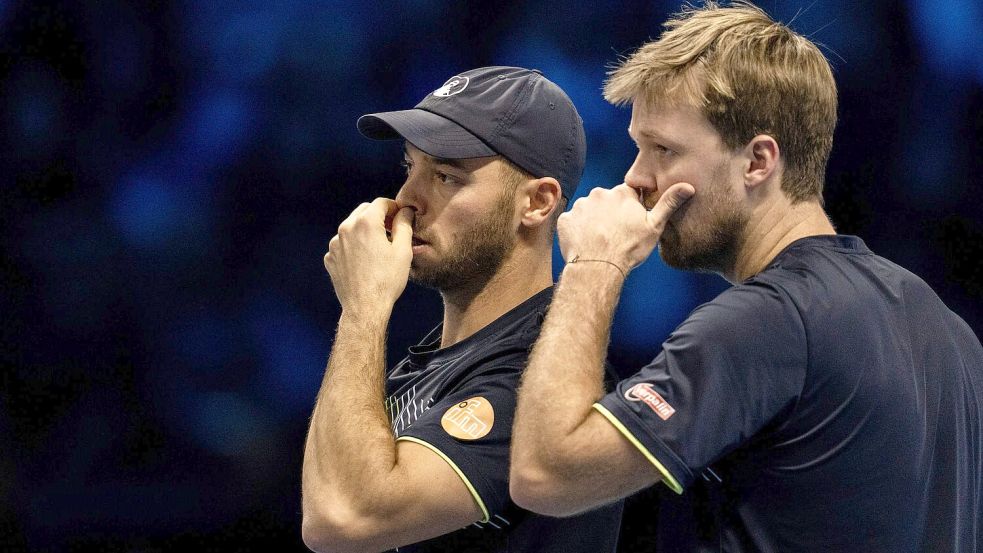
(520, 277)
(773, 227)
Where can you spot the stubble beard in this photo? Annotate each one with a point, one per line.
(476, 257)
(708, 240)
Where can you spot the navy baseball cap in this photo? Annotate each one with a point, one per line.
(509, 111)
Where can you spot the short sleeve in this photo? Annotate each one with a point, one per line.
(722, 377)
(471, 429)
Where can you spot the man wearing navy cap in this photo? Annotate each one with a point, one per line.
(419, 454)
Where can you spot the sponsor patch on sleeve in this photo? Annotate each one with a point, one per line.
(644, 392)
(470, 419)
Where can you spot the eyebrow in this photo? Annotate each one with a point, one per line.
(455, 163)
(658, 139)
(646, 134)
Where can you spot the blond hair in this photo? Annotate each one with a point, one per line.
(748, 75)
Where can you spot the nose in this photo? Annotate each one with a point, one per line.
(640, 177)
(409, 194)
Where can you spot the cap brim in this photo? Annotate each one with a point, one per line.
(431, 133)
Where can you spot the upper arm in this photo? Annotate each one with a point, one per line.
(451, 470)
(424, 496)
(597, 464)
(721, 377)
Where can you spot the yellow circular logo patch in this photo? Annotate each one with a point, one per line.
(470, 419)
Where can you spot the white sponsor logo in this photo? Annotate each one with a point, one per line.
(644, 392)
(454, 85)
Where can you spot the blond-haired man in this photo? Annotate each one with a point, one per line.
(828, 401)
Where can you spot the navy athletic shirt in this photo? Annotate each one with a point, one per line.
(830, 403)
(459, 402)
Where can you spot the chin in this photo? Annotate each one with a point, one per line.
(670, 248)
(707, 253)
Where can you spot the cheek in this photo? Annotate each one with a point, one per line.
(447, 228)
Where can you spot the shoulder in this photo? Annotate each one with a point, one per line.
(757, 306)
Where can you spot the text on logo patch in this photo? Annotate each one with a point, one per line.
(470, 419)
(643, 392)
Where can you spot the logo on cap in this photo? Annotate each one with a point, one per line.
(644, 393)
(454, 85)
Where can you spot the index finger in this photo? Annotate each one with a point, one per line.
(627, 190)
(402, 227)
(384, 207)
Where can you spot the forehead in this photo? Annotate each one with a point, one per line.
(663, 121)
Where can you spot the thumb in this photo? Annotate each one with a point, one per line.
(402, 233)
(668, 203)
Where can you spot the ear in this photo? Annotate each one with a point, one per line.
(543, 197)
(761, 160)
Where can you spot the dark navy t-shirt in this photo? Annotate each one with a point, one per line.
(459, 401)
(830, 403)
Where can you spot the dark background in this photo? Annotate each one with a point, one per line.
(171, 174)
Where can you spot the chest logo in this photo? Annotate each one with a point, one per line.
(470, 419)
(644, 392)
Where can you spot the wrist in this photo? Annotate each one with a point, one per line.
(593, 278)
(370, 316)
(624, 270)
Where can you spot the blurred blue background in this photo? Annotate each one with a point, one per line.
(172, 172)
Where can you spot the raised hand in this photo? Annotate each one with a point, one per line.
(369, 268)
(613, 225)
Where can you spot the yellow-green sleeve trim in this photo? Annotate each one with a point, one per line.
(667, 478)
(474, 492)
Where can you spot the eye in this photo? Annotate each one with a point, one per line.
(407, 165)
(663, 150)
(445, 178)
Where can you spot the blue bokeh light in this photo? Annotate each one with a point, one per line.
(146, 209)
(655, 300)
(162, 205)
(215, 128)
(951, 33)
(35, 97)
(929, 159)
(225, 423)
(293, 353)
(204, 340)
(247, 45)
(328, 43)
(35, 115)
